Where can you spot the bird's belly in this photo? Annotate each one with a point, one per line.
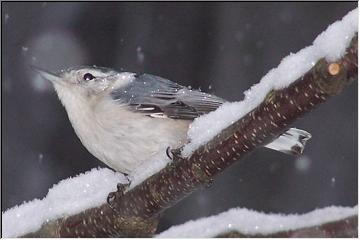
(125, 146)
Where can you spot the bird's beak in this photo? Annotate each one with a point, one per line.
(52, 77)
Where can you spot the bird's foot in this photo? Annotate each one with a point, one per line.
(174, 154)
(121, 188)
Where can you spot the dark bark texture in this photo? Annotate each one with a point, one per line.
(137, 210)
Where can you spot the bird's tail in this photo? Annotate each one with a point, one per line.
(291, 142)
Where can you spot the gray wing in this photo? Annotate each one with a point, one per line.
(159, 97)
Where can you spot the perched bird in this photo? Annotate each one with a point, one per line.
(124, 118)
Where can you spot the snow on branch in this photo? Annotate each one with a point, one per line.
(69, 196)
(240, 222)
(300, 83)
(330, 44)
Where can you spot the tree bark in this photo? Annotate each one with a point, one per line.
(137, 210)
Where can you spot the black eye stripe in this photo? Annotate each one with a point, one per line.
(88, 76)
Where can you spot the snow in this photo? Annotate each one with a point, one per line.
(302, 163)
(140, 55)
(333, 181)
(68, 197)
(148, 168)
(24, 48)
(7, 16)
(251, 222)
(90, 189)
(331, 44)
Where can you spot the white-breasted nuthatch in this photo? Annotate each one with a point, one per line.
(124, 118)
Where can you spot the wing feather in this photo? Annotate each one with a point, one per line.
(159, 97)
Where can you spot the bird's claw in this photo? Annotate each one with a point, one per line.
(121, 188)
(174, 154)
(168, 149)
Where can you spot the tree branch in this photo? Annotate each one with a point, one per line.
(347, 227)
(138, 210)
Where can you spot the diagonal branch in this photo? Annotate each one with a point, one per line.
(138, 210)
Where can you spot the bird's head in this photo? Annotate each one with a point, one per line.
(85, 83)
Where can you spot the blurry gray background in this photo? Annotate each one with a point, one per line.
(223, 48)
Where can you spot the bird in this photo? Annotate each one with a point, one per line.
(124, 118)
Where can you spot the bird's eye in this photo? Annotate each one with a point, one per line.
(88, 76)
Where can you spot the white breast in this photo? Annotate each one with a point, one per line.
(127, 139)
(120, 138)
